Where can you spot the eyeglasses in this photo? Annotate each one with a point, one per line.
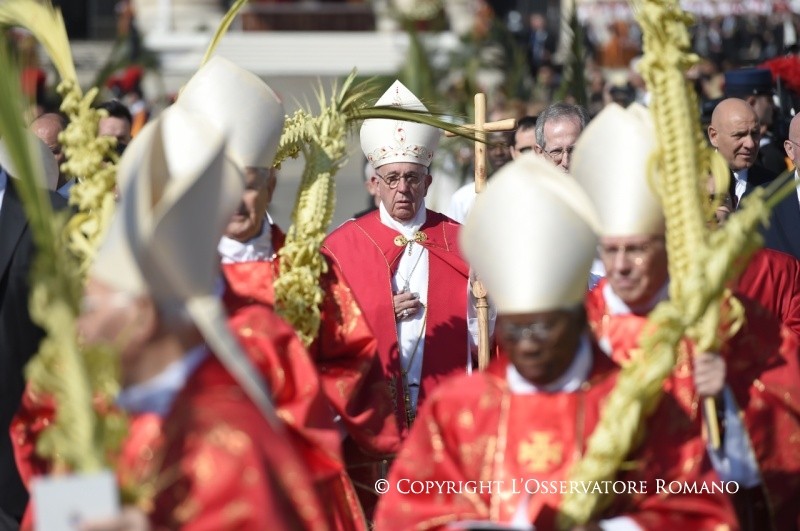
(541, 331)
(393, 179)
(636, 252)
(557, 155)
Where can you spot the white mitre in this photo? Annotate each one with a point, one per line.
(179, 192)
(531, 238)
(387, 141)
(242, 106)
(45, 165)
(611, 162)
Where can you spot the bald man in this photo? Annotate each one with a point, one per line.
(783, 233)
(735, 131)
(47, 127)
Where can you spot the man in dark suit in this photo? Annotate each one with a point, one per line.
(754, 85)
(735, 131)
(783, 233)
(19, 337)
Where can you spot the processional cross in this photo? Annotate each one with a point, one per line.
(480, 128)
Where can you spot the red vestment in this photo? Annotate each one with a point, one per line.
(368, 256)
(365, 251)
(279, 355)
(772, 279)
(214, 462)
(344, 351)
(474, 428)
(762, 371)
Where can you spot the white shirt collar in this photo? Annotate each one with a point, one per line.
(741, 175)
(617, 306)
(157, 394)
(65, 188)
(408, 228)
(257, 249)
(569, 382)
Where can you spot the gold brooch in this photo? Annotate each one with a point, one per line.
(401, 240)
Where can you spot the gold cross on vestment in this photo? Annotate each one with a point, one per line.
(541, 454)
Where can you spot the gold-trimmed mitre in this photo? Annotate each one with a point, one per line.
(386, 141)
(531, 238)
(242, 106)
(611, 161)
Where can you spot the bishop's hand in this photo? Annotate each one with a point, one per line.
(406, 304)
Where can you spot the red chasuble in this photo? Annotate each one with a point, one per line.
(762, 371)
(772, 279)
(214, 462)
(474, 429)
(368, 256)
(365, 251)
(282, 360)
(344, 351)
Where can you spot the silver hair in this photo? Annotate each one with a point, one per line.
(559, 111)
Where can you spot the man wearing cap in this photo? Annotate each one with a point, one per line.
(506, 438)
(754, 85)
(735, 132)
(752, 371)
(557, 130)
(404, 266)
(344, 350)
(204, 432)
(19, 337)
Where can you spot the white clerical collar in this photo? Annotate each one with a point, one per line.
(569, 382)
(157, 394)
(617, 306)
(257, 249)
(407, 228)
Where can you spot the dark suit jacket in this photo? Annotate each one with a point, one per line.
(783, 233)
(758, 175)
(19, 340)
(773, 157)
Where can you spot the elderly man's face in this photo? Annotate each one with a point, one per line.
(402, 187)
(636, 266)
(559, 140)
(541, 345)
(47, 127)
(736, 135)
(247, 221)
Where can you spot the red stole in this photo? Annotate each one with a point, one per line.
(365, 250)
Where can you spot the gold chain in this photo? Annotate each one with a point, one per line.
(410, 414)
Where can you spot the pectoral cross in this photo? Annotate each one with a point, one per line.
(481, 127)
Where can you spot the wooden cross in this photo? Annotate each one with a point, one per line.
(481, 127)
